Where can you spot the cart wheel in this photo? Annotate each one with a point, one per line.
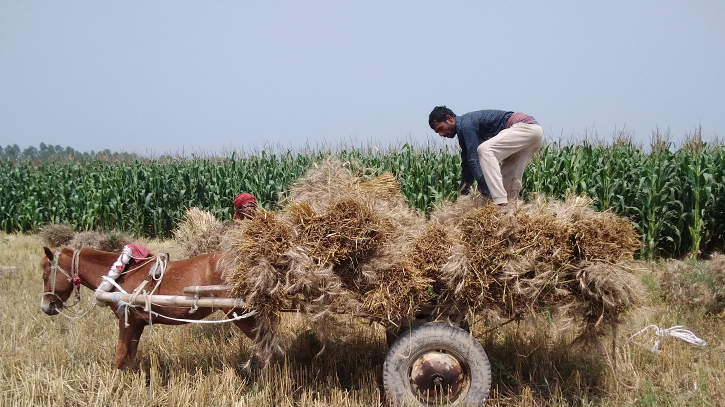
(392, 333)
(437, 364)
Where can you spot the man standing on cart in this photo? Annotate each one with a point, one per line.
(496, 147)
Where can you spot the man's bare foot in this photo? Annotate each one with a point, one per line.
(503, 208)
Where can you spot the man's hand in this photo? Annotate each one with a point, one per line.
(465, 188)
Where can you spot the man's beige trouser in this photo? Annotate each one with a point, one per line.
(513, 148)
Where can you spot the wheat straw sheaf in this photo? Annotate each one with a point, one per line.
(347, 243)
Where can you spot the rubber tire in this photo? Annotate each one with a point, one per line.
(436, 335)
(392, 333)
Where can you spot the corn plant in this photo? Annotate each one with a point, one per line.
(656, 204)
(717, 238)
(697, 167)
(673, 198)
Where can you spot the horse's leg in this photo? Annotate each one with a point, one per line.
(128, 338)
(136, 338)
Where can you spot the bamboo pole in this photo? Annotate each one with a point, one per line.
(197, 289)
(171, 300)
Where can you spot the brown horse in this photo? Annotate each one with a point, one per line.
(65, 270)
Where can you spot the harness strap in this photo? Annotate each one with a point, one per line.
(156, 273)
(74, 278)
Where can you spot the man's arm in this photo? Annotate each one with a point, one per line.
(470, 166)
(466, 176)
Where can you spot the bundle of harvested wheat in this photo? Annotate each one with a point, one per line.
(92, 239)
(543, 254)
(261, 243)
(605, 291)
(346, 243)
(257, 266)
(362, 227)
(428, 254)
(605, 238)
(597, 236)
(398, 293)
(339, 245)
(198, 232)
(345, 232)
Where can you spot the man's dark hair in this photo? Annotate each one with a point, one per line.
(439, 114)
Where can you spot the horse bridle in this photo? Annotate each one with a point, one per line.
(54, 267)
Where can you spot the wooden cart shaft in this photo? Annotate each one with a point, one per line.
(170, 300)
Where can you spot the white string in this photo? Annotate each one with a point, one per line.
(204, 321)
(114, 283)
(159, 267)
(75, 317)
(676, 331)
(126, 306)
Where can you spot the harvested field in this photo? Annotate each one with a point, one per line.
(698, 285)
(57, 361)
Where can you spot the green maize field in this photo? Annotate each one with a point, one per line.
(673, 195)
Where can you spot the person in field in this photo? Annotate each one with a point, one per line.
(245, 205)
(496, 147)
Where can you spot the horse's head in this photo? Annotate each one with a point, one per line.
(58, 283)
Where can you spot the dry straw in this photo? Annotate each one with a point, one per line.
(560, 256)
(198, 232)
(696, 285)
(92, 239)
(56, 234)
(340, 244)
(112, 241)
(348, 243)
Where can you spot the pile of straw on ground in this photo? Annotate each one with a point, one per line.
(696, 284)
(56, 234)
(199, 232)
(111, 241)
(349, 243)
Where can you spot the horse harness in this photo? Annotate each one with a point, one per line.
(54, 267)
(156, 274)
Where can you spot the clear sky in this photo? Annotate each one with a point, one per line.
(208, 76)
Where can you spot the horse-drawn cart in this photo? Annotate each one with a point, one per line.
(349, 245)
(432, 362)
(429, 361)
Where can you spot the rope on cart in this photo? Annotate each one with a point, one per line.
(236, 317)
(204, 321)
(126, 306)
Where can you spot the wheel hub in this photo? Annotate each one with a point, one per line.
(437, 376)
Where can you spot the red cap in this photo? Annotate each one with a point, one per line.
(242, 199)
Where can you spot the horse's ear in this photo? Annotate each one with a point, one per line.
(48, 253)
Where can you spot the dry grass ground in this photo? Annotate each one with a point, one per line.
(55, 361)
